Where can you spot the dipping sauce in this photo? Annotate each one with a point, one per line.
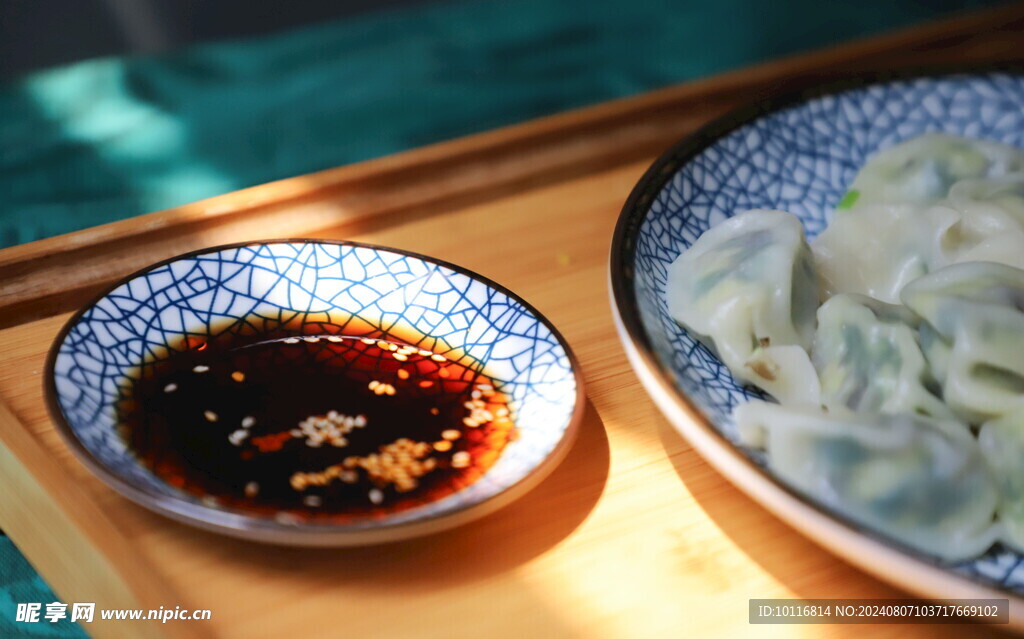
(314, 425)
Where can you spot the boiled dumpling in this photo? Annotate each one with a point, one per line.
(920, 171)
(868, 359)
(976, 310)
(991, 226)
(748, 290)
(1002, 443)
(920, 481)
(877, 249)
(895, 224)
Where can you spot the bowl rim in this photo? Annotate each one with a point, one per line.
(269, 530)
(908, 568)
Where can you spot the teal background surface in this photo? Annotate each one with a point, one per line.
(107, 139)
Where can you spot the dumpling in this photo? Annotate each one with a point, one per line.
(747, 289)
(920, 171)
(877, 249)
(895, 225)
(868, 359)
(976, 310)
(1002, 443)
(920, 481)
(991, 226)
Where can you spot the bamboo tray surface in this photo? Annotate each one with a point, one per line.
(632, 536)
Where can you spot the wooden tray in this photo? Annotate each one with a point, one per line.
(633, 536)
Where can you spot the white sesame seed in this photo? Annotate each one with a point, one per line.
(288, 519)
(210, 415)
(291, 340)
(247, 422)
(200, 368)
(312, 501)
(376, 496)
(170, 388)
(334, 338)
(252, 489)
(312, 339)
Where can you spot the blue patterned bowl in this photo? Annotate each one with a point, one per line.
(393, 291)
(798, 153)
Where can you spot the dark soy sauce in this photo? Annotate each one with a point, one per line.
(315, 425)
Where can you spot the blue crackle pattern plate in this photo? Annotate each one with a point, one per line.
(797, 153)
(430, 304)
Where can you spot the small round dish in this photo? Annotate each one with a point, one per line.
(397, 293)
(796, 153)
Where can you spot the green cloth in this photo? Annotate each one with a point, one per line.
(22, 584)
(107, 139)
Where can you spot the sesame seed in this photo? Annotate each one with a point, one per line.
(210, 415)
(334, 338)
(170, 388)
(312, 501)
(460, 459)
(376, 496)
(291, 340)
(435, 411)
(437, 358)
(400, 356)
(442, 446)
(312, 339)
(403, 374)
(200, 369)
(247, 422)
(451, 433)
(238, 376)
(374, 384)
(252, 489)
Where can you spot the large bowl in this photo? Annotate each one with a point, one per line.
(417, 299)
(798, 153)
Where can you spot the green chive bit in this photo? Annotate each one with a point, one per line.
(848, 200)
